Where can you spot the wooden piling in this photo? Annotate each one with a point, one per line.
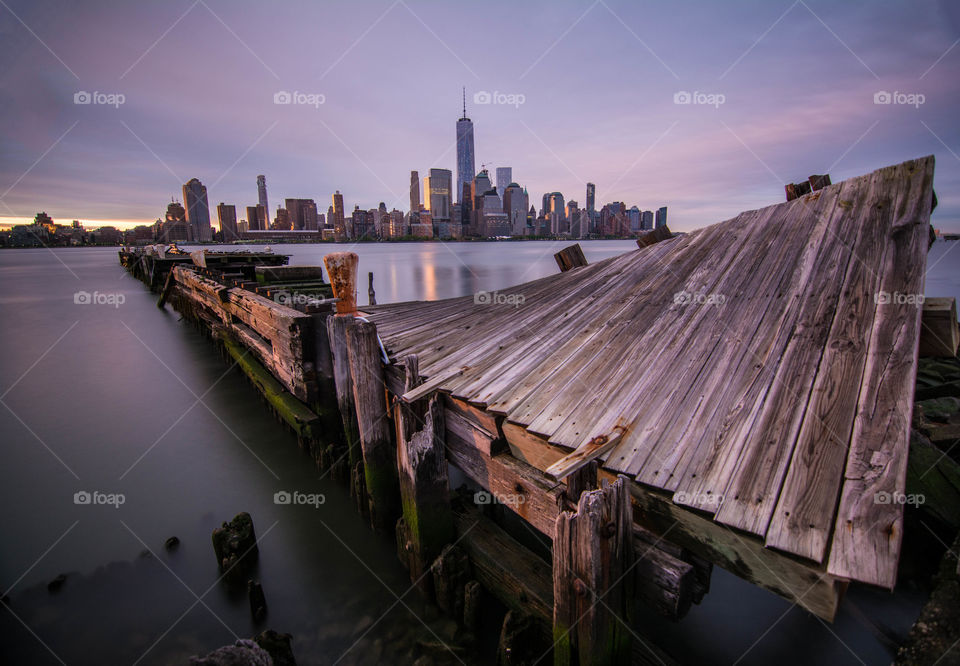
(655, 236)
(371, 294)
(167, 288)
(342, 270)
(424, 490)
(592, 566)
(376, 443)
(337, 335)
(570, 257)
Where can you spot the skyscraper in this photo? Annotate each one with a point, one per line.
(338, 224)
(591, 197)
(414, 191)
(661, 217)
(198, 210)
(437, 194)
(465, 163)
(256, 217)
(515, 206)
(302, 214)
(646, 220)
(504, 178)
(227, 217)
(262, 196)
(557, 214)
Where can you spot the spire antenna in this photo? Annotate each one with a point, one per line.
(464, 101)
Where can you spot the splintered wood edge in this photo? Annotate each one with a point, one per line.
(431, 385)
(582, 455)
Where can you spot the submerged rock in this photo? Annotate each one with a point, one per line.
(278, 645)
(243, 653)
(55, 584)
(235, 545)
(171, 543)
(258, 602)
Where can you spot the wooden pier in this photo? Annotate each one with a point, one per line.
(737, 396)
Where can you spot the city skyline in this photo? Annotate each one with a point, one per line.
(644, 127)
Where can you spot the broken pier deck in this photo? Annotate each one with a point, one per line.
(753, 379)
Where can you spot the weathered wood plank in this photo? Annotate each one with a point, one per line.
(802, 521)
(868, 532)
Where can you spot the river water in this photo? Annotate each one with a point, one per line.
(116, 398)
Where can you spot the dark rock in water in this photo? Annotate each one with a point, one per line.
(145, 554)
(171, 543)
(278, 645)
(258, 602)
(940, 410)
(55, 584)
(235, 545)
(244, 653)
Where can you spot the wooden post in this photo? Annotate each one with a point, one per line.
(592, 583)
(167, 288)
(424, 491)
(337, 336)
(795, 190)
(570, 257)
(371, 294)
(818, 182)
(939, 335)
(342, 270)
(655, 236)
(581, 481)
(369, 397)
(451, 573)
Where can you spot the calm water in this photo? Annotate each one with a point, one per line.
(127, 399)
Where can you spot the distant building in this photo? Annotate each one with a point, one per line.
(362, 224)
(227, 219)
(174, 227)
(613, 220)
(591, 198)
(465, 163)
(633, 216)
(504, 178)
(338, 222)
(262, 197)
(302, 214)
(515, 202)
(437, 194)
(198, 210)
(646, 220)
(256, 218)
(414, 191)
(481, 185)
(556, 214)
(281, 222)
(661, 220)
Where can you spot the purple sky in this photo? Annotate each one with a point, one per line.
(597, 80)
